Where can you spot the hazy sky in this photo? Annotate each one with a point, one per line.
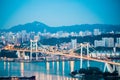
(59, 12)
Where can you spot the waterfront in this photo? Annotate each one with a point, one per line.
(53, 70)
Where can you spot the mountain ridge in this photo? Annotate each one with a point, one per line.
(41, 27)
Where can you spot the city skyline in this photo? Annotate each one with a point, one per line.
(59, 12)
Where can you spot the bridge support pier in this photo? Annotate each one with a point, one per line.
(18, 54)
(109, 68)
(59, 57)
(118, 69)
(23, 55)
(45, 58)
(36, 56)
(31, 49)
(36, 50)
(30, 55)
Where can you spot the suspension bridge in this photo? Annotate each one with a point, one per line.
(34, 49)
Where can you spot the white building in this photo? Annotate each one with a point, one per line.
(88, 33)
(109, 42)
(81, 33)
(117, 42)
(36, 38)
(74, 43)
(99, 43)
(23, 35)
(97, 32)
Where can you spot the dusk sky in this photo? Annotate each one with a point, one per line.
(59, 12)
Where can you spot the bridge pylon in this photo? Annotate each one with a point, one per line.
(33, 47)
(81, 54)
(81, 60)
(88, 63)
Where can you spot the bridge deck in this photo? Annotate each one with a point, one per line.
(69, 55)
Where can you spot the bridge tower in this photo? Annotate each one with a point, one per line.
(88, 63)
(81, 60)
(81, 54)
(33, 47)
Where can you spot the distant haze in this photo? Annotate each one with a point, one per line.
(59, 12)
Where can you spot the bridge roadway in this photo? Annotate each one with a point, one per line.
(68, 55)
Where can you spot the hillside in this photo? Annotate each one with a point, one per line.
(40, 27)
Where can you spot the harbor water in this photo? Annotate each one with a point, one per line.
(52, 70)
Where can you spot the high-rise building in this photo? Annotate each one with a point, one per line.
(32, 34)
(74, 43)
(117, 42)
(97, 32)
(99, 43)
(36, 38)
(88, 33)
(109, 42)
(24, 36)
(81, 33)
